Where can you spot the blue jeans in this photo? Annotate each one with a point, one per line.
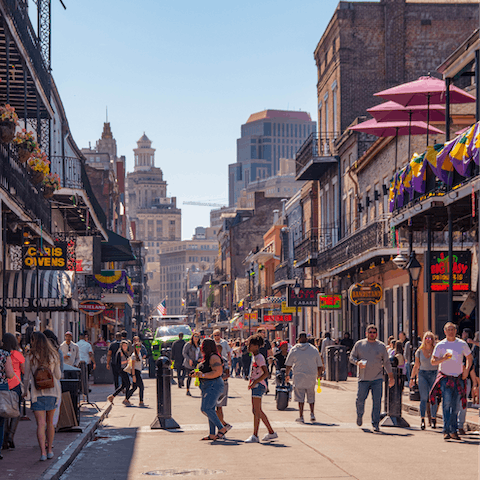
(211, 391)
(3, 386)
(426, 379)
(462, 413)
(364, 386)
(450, 398)
(408, 371)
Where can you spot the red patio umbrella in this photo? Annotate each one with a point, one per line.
(425, 91)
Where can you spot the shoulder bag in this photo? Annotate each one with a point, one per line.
(9, 404)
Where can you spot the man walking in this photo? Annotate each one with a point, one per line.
(371, 357)
(226, 349)
(307, 366)
(327, 342)
(70, 350)
(112, 359)
(448, 354)
(177, 356)
(266, 350)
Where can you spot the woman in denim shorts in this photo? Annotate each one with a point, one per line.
(258, 386)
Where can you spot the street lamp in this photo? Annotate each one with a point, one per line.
(296, 289)
(249, 319)
(414, 267)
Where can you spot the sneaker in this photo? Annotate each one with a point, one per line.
(270, 436)
(454, 436)
(252, 439)
(50, 455)
(110, 398)
(312, 417)
(141, 404)
(461, 431)
(376, 428)
(359, 420)
(300, 420)
(188, 393)
(126, 402)
(446, 436)
(43, 458)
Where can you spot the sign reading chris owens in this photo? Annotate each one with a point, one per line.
(54, 258)
(366, 294)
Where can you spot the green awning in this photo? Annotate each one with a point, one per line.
(117, 249)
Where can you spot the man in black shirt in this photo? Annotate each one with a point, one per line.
(177, 357)
(281, 356)
(266, 350)
(111, 359)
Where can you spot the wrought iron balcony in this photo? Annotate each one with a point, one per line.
(16, 182)
(306, 249)
(69, 169)
(315, 156)
(375, 235)
(283, 272)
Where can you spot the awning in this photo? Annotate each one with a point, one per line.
(117, 249)
(55, 289)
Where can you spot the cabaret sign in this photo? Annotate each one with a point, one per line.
(366, 294)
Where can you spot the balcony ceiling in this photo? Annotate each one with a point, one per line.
(315, 168)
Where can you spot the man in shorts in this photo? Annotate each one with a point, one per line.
(307, 366)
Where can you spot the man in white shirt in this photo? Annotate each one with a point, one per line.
(226, 349)
(448, 355)
(70, 350)
(86, 352)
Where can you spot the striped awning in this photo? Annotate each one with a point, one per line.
(55, 290)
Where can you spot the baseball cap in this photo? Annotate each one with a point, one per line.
(69, 333)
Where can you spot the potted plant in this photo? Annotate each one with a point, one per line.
(38, 166)
(51, 182)
(8, 122)
(26, 145)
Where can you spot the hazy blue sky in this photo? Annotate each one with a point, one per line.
(188, 74)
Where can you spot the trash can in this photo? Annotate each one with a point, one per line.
(336, 363)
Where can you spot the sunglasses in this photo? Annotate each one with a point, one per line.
(216, 335)
(372, 331)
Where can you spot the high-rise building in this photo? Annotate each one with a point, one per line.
(267, 137)
(154, 217)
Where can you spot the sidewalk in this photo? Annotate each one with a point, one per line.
(23, 462)
(472, 421)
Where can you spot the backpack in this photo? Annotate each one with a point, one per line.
(43, 378)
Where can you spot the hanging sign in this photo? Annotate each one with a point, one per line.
(327, 301)
(286, 309)
(92, 307)
(277, 318)
(251, 316)
(307, 297)
(366, 294)
(439, 273)
(49, 258)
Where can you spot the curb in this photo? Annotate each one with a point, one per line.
(70, 453)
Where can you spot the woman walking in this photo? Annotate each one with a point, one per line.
(137, 362)
(121, 359)
(210, 372)
(42, 375)
(10, 344)
(426, 374)
(191, 356)
(6, 372)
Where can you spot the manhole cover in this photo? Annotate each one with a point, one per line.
(185, 472)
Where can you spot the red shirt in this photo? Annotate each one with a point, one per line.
(17, 360)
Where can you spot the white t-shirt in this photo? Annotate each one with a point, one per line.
(453, 366)
(85, 348)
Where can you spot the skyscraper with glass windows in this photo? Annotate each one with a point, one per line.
(267, 137)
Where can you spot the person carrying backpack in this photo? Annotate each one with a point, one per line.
(42, 375)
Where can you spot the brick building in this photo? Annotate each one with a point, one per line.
(370, 46)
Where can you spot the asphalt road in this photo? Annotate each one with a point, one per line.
(331, 448)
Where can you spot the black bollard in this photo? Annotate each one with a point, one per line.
(164, 419)
(394, 402)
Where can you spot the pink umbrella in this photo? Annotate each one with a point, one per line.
(425, 91)
(394, 112)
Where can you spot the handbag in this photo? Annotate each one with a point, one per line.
(128, 368)
(9, 404)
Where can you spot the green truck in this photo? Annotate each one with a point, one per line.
(165, 336)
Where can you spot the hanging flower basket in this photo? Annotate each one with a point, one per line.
(36, 177)
(23, 154)
(48, 192)
(8, 122)
(26, 145)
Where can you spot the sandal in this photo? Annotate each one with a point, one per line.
(220, 436)
(208, 438)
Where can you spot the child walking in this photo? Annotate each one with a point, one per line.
(258, 386)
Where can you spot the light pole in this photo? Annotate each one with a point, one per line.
(414, 269)
(249, 318)
(296, 289)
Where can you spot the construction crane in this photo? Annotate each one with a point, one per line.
(201, 204)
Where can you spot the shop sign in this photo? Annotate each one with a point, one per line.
(439, 272)
(251, 316)
(366, 294)
(92, 307)
(43, 304)
(49, 258)
(286, 309)
(278, 318)
(307, 297)
(330, 301)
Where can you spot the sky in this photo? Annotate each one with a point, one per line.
(188, 74)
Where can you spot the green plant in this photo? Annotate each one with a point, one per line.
(7, 114)
(52, 180)
(26, 140)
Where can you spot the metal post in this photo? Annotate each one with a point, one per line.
(163, 419)
(4, 270)
(410, 285)
(427, 273)
(447, 108)
(295, 333)
(450, 264)
(37, 288)
(414, 336)
(477, 85)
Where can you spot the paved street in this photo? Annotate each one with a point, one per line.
(332, 447)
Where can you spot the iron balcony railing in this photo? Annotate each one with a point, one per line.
(16, 182)
(307, 246)
(283, 272)
(18, 11)
(316, 145)
(69, 169)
